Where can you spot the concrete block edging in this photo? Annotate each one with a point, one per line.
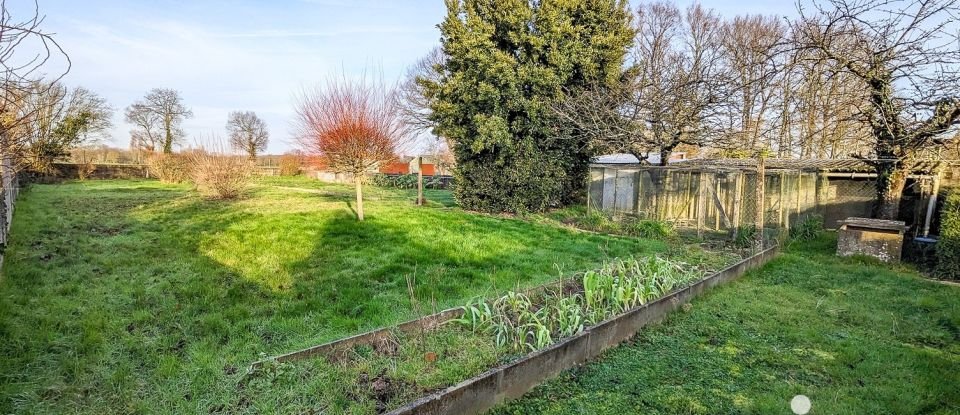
(425, 323)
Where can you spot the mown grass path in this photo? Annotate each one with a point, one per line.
(855, 336)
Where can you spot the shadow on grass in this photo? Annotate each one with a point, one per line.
(139, 297)
(855, 336)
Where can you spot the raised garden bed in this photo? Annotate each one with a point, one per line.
(410, 368)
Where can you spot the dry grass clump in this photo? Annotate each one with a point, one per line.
(169, 168)
(85, 169)
(219, 175)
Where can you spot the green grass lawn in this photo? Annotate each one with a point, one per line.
(855, 336)
(142, 297)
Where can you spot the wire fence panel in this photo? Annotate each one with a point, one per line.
(10, 186)
(727, 199)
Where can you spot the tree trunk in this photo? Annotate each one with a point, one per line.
(665, 155)
(168, 136)
(358, 182)
(640, 155)
(891, 179)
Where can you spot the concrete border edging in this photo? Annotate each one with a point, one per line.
(373, 337)
(370, 337)
(512, 380)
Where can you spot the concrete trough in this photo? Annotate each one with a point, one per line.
(512, 380)
(881, 239)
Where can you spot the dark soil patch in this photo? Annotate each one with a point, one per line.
(380, 389)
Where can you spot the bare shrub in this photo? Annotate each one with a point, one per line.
(169, 168)
(290, 164)
(85, 169)
(219, 175)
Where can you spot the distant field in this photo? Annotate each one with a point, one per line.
(141, 297)
(855, 336)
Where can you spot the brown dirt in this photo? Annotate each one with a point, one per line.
(381, 389)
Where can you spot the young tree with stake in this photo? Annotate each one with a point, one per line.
(352, 125)
(413, 103)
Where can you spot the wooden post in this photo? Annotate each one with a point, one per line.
(784, 221)
(590, 184)
(665, 179)
(822, 186)
(737, 199)
(419, 180)
(616, 189)
(760, 194)
(716, 207)
(932, 202)
(701, 201)
(799, 191)
(639, 193)
(358, 182)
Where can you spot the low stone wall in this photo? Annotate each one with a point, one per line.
(71, 171)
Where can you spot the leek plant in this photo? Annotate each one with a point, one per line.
(523, 325)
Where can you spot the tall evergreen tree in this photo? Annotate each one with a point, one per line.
(506, 60)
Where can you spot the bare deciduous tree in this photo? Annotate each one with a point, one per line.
(25, 48)
(672, 91)
(439, 151)
(157, 119)
(146, 135)
(58, 120)
(906, 54)
(247, 133)
(753, 47)
(352, 125)
(412, 102)
(682, 80)
(823, 109)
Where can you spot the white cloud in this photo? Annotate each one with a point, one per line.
(219, 68)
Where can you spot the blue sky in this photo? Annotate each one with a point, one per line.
(249, 55)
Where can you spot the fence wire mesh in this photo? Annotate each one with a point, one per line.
(728, 199)
(10, 186)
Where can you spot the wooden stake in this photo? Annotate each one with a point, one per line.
(760, 194)
(419, 180)
(784, 221)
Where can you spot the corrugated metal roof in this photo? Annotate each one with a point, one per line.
(844, 165)
(624, 158)
(821, 165)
